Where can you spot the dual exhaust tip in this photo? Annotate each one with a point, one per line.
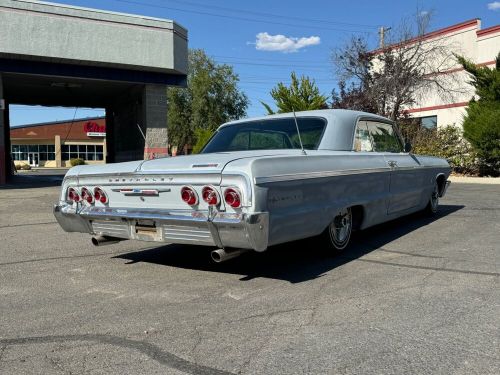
(221, 255)
(218, 256)
(105, 240)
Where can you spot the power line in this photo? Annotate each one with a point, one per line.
(308, 62)
(317, 68)
(263, 14)
(282, 78)
(241, 18)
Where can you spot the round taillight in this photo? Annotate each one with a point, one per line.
(210, 195)
(100, 195)
(73, 195)
(189, 196)
(87, 196)
(232, 197)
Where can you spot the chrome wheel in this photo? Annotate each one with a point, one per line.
(340, 229)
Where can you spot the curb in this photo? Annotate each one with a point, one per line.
(475, 180)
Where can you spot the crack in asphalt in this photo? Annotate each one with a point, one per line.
(28, 224)
(409, 254)
(65, 257)
(152, 351)
(430, 268)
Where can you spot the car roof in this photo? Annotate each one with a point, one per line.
(339, 132)
(329, 114)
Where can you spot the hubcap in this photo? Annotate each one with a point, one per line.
(340, 228)
(435, 198)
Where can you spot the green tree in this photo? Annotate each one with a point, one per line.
(211, 98)
(482, 122)
(301, 95)
(202, 137)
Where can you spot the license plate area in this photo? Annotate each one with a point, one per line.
(146, 230)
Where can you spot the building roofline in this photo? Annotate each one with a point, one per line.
(489, 30)
(56, 122)
(104, 12)
(433, 34)
(450, 29)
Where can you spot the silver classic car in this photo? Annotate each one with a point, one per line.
(257, 183)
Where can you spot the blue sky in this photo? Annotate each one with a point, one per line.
(266, 40)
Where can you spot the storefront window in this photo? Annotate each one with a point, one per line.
(85, 152)
(45, 152)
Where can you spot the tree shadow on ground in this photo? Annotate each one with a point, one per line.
(296, 261)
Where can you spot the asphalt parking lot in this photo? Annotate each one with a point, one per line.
(416, 295)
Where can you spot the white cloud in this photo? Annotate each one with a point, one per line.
(494, 5)
(282, 43)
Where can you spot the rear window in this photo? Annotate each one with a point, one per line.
(272, 134)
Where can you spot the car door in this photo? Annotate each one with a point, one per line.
(407, 177)
(375, 185)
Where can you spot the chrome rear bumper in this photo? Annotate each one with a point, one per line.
(238, 230)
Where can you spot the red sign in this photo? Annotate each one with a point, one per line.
(94, 127)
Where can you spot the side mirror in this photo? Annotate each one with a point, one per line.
(407, 146)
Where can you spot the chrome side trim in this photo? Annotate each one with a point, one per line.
(322, 174)
(148, 173)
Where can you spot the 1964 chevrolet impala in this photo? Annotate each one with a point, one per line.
(259, 182)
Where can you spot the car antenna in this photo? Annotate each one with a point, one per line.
(142, 133)
(298, 132)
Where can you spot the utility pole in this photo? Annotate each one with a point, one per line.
(381, 35)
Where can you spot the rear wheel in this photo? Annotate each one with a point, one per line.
(338, 233)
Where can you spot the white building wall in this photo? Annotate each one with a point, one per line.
(466, 39)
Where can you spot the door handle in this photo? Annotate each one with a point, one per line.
(392, 163)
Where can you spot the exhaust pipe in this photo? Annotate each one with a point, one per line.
(105, 240)
(221, 255)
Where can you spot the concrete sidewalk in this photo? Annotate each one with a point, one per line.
(475, 180)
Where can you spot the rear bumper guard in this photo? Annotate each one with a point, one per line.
(239, 230)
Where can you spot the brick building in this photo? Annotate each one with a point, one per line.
(54, 144)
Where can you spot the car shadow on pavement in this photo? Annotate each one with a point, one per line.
(296, 261)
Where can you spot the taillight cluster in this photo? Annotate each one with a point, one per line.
(73, 195)
(100, 195)
(188, 195)
(209, 194)
(86, 195)
(232, 197)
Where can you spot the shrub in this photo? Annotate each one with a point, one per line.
(482, 129)
(446, 142)
(75, 162)
(23, 167)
